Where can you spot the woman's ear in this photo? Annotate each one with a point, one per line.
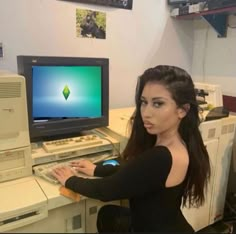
(184, 110)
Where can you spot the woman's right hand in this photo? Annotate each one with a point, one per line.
(85, 166)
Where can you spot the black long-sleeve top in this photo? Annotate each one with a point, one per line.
(142, 180)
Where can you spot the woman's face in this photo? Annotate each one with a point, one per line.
(159, 111)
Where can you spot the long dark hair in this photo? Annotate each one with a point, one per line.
(179, 83)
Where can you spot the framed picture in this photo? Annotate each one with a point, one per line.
(90, 24)
(124, 4)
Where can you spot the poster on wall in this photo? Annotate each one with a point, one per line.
(124, 4)
(90, 24)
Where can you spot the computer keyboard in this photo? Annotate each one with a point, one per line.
(70, 143)
(44, 170)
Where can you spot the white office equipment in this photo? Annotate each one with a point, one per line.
(15, 157)
(22, 203)
(71, 143)
(64, 215)
(32, 204)
(44, 170)
(69, 218)
(89, 143)
(214, 93)
(223, 159)
(218, 137)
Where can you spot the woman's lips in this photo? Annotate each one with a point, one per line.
(148, 125)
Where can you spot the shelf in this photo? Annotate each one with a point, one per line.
(217, 18)
(225, 10)
(219, 22)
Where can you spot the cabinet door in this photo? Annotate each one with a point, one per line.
(223, 160)
(91, 210)
(65, 219)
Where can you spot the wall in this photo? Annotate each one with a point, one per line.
(136, 39)
(214, 58)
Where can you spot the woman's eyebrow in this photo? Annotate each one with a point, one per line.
(159, 98)
(156, 98)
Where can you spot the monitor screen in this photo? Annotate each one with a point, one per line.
(65, 95)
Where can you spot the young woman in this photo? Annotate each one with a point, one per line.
(166, 165)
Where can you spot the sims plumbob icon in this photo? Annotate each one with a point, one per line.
(66, 92)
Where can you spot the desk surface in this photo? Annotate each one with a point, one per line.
(51, 191)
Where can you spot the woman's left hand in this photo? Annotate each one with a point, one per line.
(62, 174)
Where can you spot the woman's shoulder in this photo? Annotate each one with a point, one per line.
(159, 149)
(159, 153)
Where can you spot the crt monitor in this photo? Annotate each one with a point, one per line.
(65, 95)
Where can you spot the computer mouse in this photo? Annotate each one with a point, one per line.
(111, 162)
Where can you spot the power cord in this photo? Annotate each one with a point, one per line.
(115, 150)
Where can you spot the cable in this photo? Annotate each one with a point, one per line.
(113, 146)
(204, 55)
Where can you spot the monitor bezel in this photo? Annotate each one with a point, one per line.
(177, 2)
(42, 131)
